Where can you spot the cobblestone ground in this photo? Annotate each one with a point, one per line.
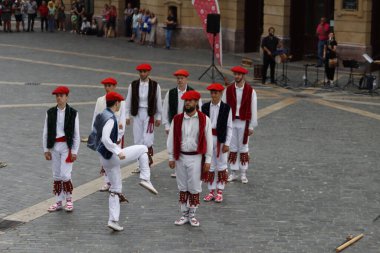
(313, 180)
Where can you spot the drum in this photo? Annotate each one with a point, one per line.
(257, 71)
(333, 63)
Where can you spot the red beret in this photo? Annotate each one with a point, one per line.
(181, 72)
(238, 69)
(109, 80)
(144, 66)
(216, 86)
(61, 90)
(191, 95)
(114, 96)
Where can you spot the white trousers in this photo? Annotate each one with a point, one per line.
(237, 145)
(61, 169)
(112, 168)
(140, 126)
(106, 179)
(217, 164)
(188, 170)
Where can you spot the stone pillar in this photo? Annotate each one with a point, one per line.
(353, 30)
(277, 15)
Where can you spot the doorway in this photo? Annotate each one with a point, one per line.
(305, 16)
(254, 22)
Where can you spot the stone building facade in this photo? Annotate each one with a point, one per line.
(245, 22)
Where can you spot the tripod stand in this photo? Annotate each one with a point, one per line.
(284, 76)
(212, 67)
(352, 64)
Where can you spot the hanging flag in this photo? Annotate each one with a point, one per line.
(204, 7)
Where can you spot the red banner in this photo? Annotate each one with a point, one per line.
(204, 7)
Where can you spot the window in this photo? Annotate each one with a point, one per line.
(350, 5)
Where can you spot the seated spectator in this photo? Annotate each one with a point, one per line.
(86, 26)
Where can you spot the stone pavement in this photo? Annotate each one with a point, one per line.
(313, 180)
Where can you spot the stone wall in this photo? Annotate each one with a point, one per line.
(353, 29)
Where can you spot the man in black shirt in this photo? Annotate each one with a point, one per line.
(269, 45)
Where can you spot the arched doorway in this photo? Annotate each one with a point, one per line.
(253, 24)
(135, 3)
(305, 16)
(375, 29)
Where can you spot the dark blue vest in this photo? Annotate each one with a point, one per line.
(221, 124)
(114, 133)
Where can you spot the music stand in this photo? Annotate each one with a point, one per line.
(352, 64)
(212, 67)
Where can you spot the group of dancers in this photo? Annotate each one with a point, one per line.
(203, 140)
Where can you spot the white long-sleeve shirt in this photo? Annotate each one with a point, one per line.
(239, 94)
(143, 99)
(106, 139)
(190, 134)
(214, 113)
(101, 105)
(166, 108)
(60, 132)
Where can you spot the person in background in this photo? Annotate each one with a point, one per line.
(61, 16)
(153, 27)
(74, 17)
(135, 24)
(86, 26)
(128, 14)
(330, 57)
(112, 22)
(31, 10)
(79, 6)
(322, 32)
(145, 27)
(105, 19)
(51, 16)
(6, 8)
(44, 12)
(269, 45)
(17, 5)
(24, 12)
(171, 23)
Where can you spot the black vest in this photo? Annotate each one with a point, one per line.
(69, 126)
(152, 98)
(173, 102)
(221, 124)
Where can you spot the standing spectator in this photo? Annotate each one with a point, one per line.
(171, 23)
(44, 11)
(79, 6)
(51, 16)
(329, 54)
(112, 22)
(152, 35)
(135, 24)
(18, 15)
(105, 19)
(61, 16)
(142, 17)
(269, 45)
(6, 8)
(32, 10)
(128, 14)
(145, 26)
(322, 32)
(24, 12)
(74, 17)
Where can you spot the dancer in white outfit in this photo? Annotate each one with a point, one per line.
(242, 99)
(221, 122)
(112, 157)
(110, 85)
(61, 144)
(190, 150)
